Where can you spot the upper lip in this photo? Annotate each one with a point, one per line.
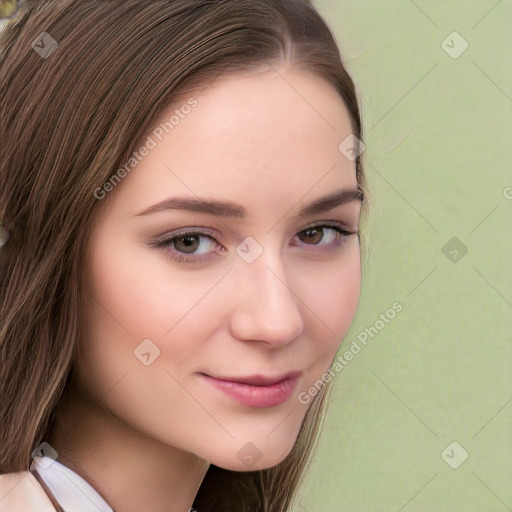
(260, 380)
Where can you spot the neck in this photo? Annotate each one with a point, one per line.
(114, 457)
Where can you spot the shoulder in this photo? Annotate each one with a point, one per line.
(21, 492)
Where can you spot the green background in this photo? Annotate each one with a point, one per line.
(438, 158)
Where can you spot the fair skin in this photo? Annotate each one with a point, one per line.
(144, 436)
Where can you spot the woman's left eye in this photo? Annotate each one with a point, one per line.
(185, 246)
(316, 234)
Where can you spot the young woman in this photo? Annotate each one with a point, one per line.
(181, 197)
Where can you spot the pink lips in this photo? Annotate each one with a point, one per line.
(257, 391)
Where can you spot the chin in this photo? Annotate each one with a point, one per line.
(254, 456)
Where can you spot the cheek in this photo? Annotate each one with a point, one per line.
(126, 306)
(332, 300)
(136, 291)
(332, 295)
(120, 311)
(134, 295)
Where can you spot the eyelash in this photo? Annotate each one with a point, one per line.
(166, 243)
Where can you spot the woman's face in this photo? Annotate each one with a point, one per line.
(252, 291)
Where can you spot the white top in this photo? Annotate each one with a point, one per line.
(69, 490)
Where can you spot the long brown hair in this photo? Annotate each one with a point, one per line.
(70, 118)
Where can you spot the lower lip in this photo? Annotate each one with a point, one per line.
(255, 396)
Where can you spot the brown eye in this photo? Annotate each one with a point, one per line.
(328, 237)
(187, 244)
(314, 235)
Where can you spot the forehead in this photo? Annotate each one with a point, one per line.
(270, 134)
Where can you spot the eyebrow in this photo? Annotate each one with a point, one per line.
(230, 209)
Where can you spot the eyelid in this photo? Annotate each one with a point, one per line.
(328, 223)
(201, 231)
(186, 231)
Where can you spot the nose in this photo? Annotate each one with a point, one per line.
(266, 307)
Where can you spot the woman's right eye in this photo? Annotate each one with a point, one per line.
(183, 246)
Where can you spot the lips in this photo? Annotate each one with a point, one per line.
(256, 390)
(259, 380)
